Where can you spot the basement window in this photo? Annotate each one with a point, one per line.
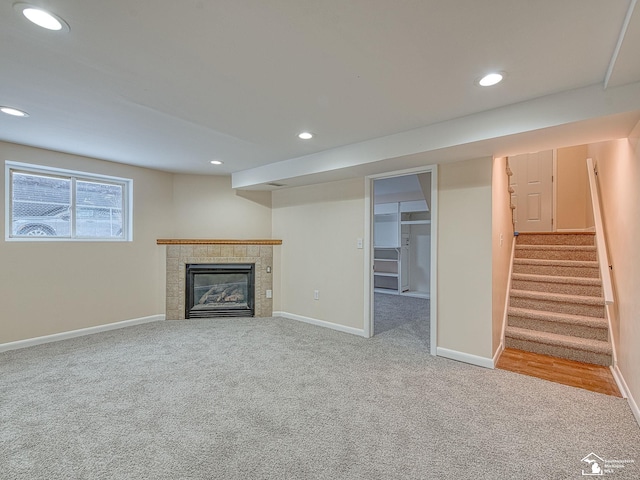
(45, 203)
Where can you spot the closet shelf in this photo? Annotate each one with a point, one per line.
(415, 222)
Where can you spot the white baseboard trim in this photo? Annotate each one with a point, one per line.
(569, 230)
(498, 353)
(619, 379)
(56, 337)
(626, 393)
(465, 357)
(321, 323)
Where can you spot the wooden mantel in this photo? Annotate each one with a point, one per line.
(205, 241)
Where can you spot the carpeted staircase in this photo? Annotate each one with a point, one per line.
(556, 305)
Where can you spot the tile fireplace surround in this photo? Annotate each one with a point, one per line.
(181, 252)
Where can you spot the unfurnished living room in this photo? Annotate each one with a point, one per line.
(294, 239)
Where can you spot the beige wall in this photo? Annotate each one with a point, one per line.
(52, 287)
(319, 226)
(573, 207)
(618, 164)
(464, 257)
(207, 207)
(502, 225)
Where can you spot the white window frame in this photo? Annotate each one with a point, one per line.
(127, 192)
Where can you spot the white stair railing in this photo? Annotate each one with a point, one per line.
(603, 261)
(601, 246)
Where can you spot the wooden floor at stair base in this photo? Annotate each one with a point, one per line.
(559, 370)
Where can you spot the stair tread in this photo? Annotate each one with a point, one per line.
(556, 238)
(558, 263)
(570, 248)
(556, 279)
(566, 234)
(577, 343)
(570, 318)
(558, 297)
(569, 332)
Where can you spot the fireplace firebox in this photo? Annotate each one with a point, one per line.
(220, 290)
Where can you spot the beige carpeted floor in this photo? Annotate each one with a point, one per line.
(278, 399)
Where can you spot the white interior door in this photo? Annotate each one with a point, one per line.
(532, 181)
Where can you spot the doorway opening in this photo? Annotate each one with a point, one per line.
(401, 270)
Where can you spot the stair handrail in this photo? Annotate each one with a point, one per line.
(601, 246)
(511, 191)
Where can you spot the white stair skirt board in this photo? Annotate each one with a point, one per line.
(626, 393)
(466, 357)
(498, 354)
(321, 323)
(56, 337)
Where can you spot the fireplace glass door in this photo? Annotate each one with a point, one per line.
(220, 290)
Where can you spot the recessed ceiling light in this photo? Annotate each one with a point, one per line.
(13, 111)
(41, 17)
(216, 162)
(305, 136)
(491, 79)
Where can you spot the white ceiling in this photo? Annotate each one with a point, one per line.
(172, 85)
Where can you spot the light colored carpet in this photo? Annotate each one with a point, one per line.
(403, 315)
(279, 399)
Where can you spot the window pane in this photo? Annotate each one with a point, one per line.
(40, 205)
(56, 203)
(98, 210)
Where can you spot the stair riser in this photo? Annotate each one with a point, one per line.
(559, 239)
(559, 328)
(564, 288)
(558, 351)
(558, 307)
(558, 271)
(579, 255)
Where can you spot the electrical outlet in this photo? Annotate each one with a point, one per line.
(501, 239)
(359, 243)
(269, 294)
(316, 295)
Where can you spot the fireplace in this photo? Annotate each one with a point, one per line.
(183, 252)
(220, 290)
